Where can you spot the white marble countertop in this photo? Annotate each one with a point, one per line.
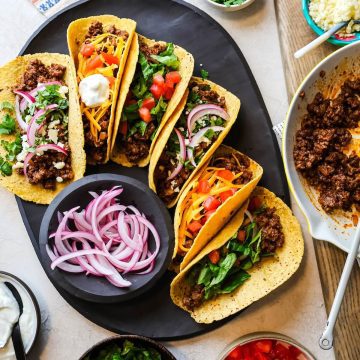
(296, 309)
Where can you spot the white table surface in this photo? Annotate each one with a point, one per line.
(296, 309)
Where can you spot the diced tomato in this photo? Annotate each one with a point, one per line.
(204, 186)
(111, 80)
(214, 256)
(225, 174)
(282, 352)
(226, 194)
(211, 203)
(241, 236)
(261, 356)
(145, 114)
(148, 103)
(206, 216)
(87, 49)
(247, 352)
(123, 127)
(110, 59)
(156, 90)
(94, 63)
(235, 354)
(173, 77)
(158, 80)
(168, 91)
(194, 227)
(263, 345)
(294, 351)
(254, 204)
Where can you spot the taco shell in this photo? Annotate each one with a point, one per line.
(10, 73)
(222, 214)
(186, 69)
(232, 108)
(76, 35)
(269, 274)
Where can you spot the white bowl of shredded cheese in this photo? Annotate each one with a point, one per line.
(324, 14)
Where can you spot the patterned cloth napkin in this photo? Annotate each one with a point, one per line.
(50, 7)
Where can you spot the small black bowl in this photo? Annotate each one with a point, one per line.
(96, 289)
(136, 340)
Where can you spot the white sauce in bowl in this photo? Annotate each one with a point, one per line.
(9, 311)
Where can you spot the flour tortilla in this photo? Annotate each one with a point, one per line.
(10, 75)
(232, 108)
(223, 213)
(75, 37)
(186, 69)
(266, 276)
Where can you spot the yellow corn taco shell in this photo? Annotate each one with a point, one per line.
(76, 35)
(222, 214)
(269, 274)
(232, 108)
(10, 74)
(185, 69)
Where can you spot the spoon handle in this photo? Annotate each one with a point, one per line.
(326, 340)
(18, 343)
(319, 40)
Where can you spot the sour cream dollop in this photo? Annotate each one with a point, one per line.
(94, 90)
(9, 313)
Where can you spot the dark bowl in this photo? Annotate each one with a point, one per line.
(96, 289)
(137, 340)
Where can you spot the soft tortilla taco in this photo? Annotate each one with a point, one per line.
(41, 134)
(99, 47)
(191, 136)
(155, 79)
(257, 251)
(210, 200)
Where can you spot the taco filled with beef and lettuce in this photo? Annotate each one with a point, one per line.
(41, 134)
(193, 133)
(156, 76)
(257, 251)
(210, 200)
(99, 47)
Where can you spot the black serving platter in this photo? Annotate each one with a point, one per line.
(136, 193)
(153, 314)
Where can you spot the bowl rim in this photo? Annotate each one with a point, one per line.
(158, 346)
(233, 7)
(285, 133)
(266, 335)
(319, 31)
(58, 277)
(35, 303)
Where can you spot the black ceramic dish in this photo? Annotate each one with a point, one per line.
(155, 315)
(140, 341)
(92, 288)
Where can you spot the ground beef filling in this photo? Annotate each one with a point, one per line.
(137, 146)
(207, 96)
(319, 145)
(272, 236)
(41, 169)
(96, 28)
(237, 163)
(37, 72)
(194, 297)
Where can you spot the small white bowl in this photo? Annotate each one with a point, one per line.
(232, 7)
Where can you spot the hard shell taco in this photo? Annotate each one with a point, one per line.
(191, 136)
(210, 200)
(99, 47)
(257, 251)
(41, 134)
(155, 79)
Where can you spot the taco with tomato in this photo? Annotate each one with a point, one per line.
(99, 47)
(156, 77)
(41, 134)
(196, 129)
(257, 251)
(210, 200)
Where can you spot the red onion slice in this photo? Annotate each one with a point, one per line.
(196, 139)
(201, 110)
(182, 155)
(19, 118)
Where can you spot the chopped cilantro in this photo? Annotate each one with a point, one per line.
(7, 126)
(204, 74)
(13, 148)
(6, 105)
(5, 167)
